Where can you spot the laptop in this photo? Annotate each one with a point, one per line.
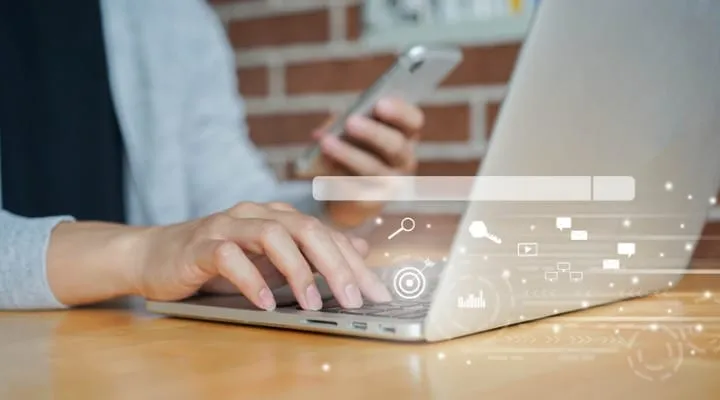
(608, 139)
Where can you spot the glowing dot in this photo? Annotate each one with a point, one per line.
(506, 274)
(585, 304)
(699, 327)
(444, 259)
(635, 280)
(707, 294)
(713, 201)
(556, 328)
(441, 356)
(617, 331)
(468, 362)
(692, 352)
(690, 197)
(428, 226)
(611, 285)
(688, 246)
(627, 223)
(555, 311)
(387, 254)
(670, 284)
(654, 327)
(621, 309)
(378, 221)
(524, 281)
(326, 367)
(485, 258)
(463, 250)
(668, 186)
(522, 317)
(662, 255)
(669, 310)
(532, 227)
(682, 226)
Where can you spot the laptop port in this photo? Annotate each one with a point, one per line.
(389, 329)
(360, 325)
(321, 322)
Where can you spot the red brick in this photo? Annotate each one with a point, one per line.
(448, 168)
(491, 113)
(485, 65)
(354, 22)
(446, 123)
(345, 75)
(296, 28)
(253, 82)
(284, 129)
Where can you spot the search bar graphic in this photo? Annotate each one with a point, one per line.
(474, 188)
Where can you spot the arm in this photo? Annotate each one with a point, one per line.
(225, 167)
(23, 268)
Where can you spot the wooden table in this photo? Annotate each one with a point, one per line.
(118, 351)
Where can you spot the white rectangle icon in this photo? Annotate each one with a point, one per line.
(527, 249)
(578, 235)
(611, 264)
(473, 188)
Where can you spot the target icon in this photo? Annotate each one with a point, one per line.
(409, 283)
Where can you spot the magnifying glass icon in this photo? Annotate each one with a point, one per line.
(406, 225)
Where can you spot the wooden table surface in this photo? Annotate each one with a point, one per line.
(119, 351)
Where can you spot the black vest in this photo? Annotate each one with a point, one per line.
(62, 152)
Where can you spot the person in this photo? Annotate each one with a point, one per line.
(127, 168)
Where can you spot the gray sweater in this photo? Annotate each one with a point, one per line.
(173, 82)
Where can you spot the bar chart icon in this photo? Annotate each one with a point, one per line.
(472, 301)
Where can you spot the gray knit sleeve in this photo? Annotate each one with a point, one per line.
(23, 250)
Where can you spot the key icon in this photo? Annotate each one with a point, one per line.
(479, 230)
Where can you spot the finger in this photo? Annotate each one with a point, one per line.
(322, 250)
(388, 142)
(353, 159)
(369, 283)
(270, 238)
(230, 262)
(401, 114)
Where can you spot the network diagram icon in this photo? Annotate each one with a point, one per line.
(563, 268)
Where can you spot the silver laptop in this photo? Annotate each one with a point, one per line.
(609, 135)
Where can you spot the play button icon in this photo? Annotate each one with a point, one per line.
(527, 249)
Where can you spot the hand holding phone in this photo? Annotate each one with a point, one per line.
(414, 75)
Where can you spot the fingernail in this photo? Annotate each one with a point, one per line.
(354, 298)
(312, 296)
(355, 122)
(329, 142)
(385, 105)
(267, 299)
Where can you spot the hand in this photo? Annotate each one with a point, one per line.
(256, 248)
(387, 142)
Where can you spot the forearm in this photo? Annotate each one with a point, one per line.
(89, 262)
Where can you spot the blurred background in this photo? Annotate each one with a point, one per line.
(299, 59)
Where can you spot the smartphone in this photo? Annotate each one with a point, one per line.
(416, 73)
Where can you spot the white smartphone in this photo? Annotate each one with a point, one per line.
(416, 73)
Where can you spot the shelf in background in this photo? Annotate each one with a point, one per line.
(491, 31)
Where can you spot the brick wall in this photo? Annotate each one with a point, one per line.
(300, 59)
